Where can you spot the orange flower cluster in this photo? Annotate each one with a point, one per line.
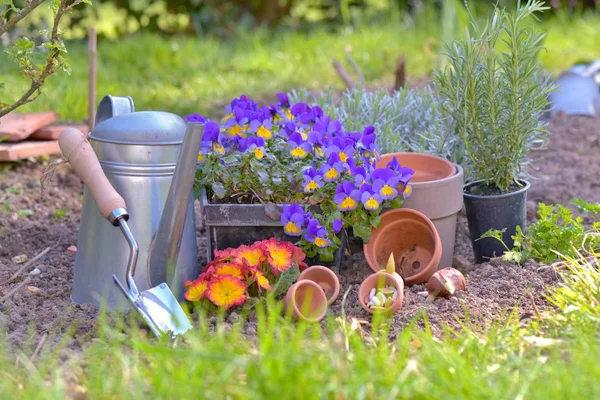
(227, 279)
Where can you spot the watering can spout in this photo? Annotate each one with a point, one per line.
(167, 241)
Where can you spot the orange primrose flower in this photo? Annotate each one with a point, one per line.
(226, 291)
(279, 255)
(195, 290)
(232, 269)
(261, 279)
(225, 255)
(254, 255)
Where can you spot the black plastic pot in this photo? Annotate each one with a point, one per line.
(234, 225)
(485, 212)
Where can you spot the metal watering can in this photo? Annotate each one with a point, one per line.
(149, 158)
(578, 91)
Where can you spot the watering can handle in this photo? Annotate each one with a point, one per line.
(79, 154)
(111, 106)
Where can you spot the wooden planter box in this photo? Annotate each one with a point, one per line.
(233, 225)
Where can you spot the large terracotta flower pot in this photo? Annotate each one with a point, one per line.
(437, 192)
(378, 280)
(306, 301)
(325, 278)
(414, 241)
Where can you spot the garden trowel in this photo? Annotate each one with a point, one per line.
(157, 305)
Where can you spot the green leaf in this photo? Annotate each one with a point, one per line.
(375, 221)
(397, 202)
(218, 189)
(327, 254)
(363, 232)
(286, 279)
(24, 44)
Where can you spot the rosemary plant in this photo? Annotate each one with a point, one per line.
(496, 88)
(407, 120)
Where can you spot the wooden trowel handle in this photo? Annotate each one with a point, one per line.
(78, 152)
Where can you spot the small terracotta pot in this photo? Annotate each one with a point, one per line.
(325, 278)
(414, 241)
(306, 301)
(378, 280)
(437, 192)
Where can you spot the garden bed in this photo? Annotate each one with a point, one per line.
(569, 169)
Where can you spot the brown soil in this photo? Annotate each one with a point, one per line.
(569, 168)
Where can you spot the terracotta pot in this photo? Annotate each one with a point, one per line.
(437, 192)
(325, 278)
(413, 240)
(306, 301)
(378, 280)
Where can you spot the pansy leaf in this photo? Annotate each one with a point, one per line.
(397, 202)
(218, 189)
(375, 221)
(272, 211)
(363, 232)
(326, 254)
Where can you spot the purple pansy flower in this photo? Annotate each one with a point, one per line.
(262, 128)
(369, 198)
(385, 183)
(298, 147)
(361, 176)
(337, 226)
(333, 169)
(196, 118)
(282, 100)
(346, 196)
(317, 234)
(312, 180)
(292, 219)
(236, 122)
(253, 144)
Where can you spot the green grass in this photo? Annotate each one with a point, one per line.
(550, 357)
(185, 74)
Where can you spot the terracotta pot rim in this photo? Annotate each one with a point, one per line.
(294, 289)
(437, 251)
(431, 156)
(399, 287)
(336, 288)
(526, 187)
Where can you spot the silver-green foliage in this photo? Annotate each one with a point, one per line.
(406, 120)
(495, 85)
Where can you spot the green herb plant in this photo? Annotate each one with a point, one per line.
(407, 120)
(556, 232)
(495, 88)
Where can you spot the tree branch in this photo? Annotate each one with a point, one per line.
(49, 69)
(11, 23)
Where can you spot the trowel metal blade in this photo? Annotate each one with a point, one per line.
(159, 305)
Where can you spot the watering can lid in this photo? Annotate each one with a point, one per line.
(116, 122)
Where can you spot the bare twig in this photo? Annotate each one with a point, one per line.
(39, 347)
(537, 312)
(356, 69)
(48, 174)
(30, 262)
(24, 267)
(91, 77)
(49, 69)
(15, 290)
(341, 71)
(11, 23)
(400, 73)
